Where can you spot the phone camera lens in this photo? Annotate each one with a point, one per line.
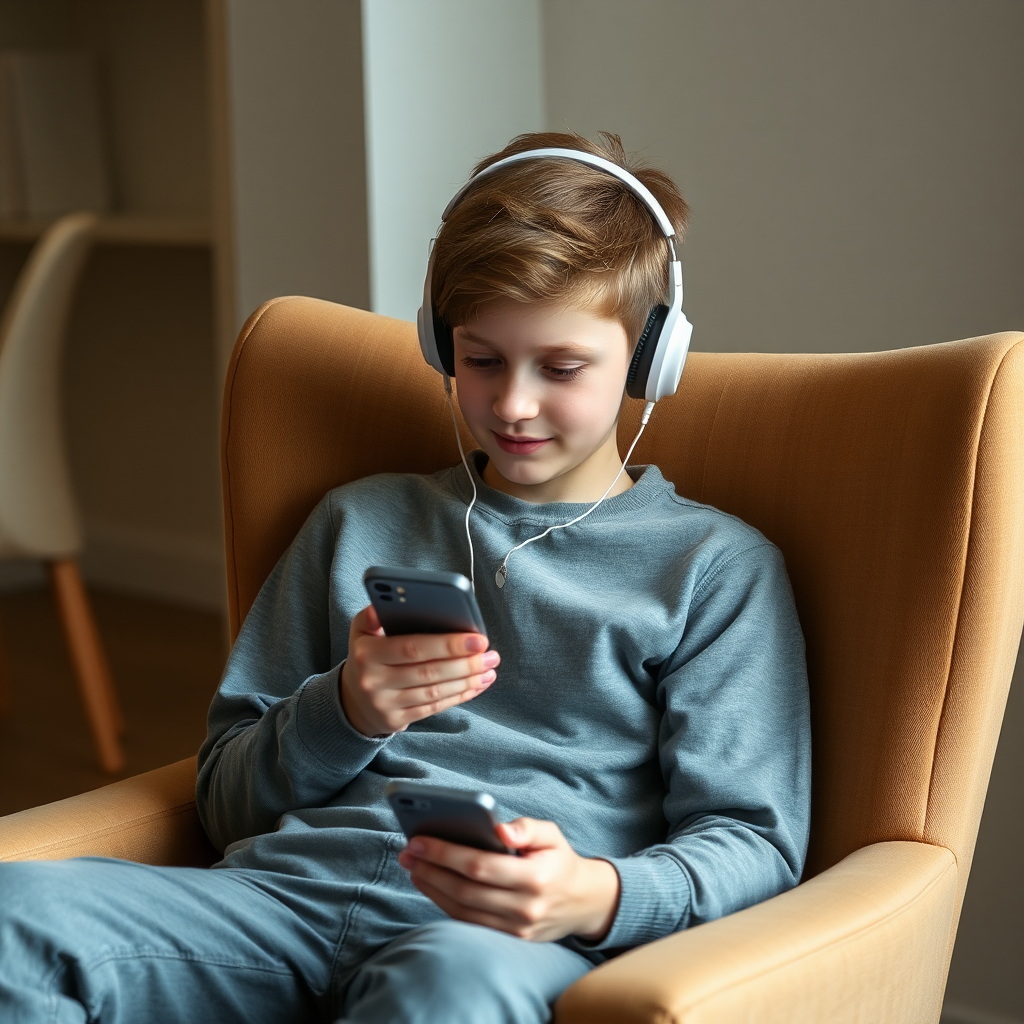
(388, 597)
(384, 588)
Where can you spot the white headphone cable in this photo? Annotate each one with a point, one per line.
(501, 575)
(472, 482)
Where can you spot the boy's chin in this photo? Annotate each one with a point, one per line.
(523, 472)
(526, 471)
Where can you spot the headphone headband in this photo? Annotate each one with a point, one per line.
(637, 187)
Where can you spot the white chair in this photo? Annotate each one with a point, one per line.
(38, 515)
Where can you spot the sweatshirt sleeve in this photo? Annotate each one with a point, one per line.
(277, 737)
(735, 755)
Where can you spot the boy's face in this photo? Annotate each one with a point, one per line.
(540, 388)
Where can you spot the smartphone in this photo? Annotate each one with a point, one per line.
(422, 601)
(456, 815)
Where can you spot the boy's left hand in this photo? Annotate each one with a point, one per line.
(546, 893)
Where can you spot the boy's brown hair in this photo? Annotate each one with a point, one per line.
(557, 230)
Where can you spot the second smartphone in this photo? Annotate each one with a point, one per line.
(456, 815)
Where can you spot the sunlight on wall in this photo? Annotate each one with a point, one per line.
(446, 83)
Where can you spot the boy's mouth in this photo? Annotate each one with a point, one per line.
(519, 445)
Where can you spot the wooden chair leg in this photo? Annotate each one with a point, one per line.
(91, 668)
(89, 654)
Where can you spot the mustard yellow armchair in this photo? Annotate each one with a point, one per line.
(893, 482)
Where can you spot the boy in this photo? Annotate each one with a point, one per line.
(642, 713)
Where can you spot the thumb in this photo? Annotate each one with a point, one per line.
(367, 622)
(530, 834)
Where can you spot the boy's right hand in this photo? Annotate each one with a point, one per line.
(390, 681)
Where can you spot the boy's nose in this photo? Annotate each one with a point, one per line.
(514, 403)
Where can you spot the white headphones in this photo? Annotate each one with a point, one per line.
(660, 352)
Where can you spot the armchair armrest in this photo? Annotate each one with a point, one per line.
(866, 940)
(149, 818)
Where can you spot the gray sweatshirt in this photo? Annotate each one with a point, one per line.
(651, 700)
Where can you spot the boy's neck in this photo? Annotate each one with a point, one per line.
(584, 483)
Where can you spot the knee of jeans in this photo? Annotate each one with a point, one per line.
(449, 970)
(455, 948)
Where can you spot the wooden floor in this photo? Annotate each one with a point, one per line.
(166, 661)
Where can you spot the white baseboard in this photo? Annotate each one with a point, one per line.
(181, 569)
(961, 1013)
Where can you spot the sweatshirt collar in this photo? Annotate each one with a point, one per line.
(648, 485)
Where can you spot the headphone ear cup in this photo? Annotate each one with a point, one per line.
(676, 344)
(643, 354)
(444, 341)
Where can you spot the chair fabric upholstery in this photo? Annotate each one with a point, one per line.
(862, 942)
(893, 482)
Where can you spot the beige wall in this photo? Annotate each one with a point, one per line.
(291, 164)
(428, 121)
(855, 175)
(854, 168)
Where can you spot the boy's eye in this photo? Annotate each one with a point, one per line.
(491, 362)
(565, 372)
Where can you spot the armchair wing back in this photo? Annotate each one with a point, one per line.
(893, 482)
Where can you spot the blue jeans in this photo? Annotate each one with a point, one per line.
(116, 942)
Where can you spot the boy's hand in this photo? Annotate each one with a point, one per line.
(546, 893)
(390, 681)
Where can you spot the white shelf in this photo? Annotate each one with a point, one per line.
(124, 229)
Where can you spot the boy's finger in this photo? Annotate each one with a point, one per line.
(530, 834)
(430, 673)
(373, 620)
(416, 647)
(497, 870)
(468, 892)
(418, 696)
(367, 623)
(421, 711)
(459, 911)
